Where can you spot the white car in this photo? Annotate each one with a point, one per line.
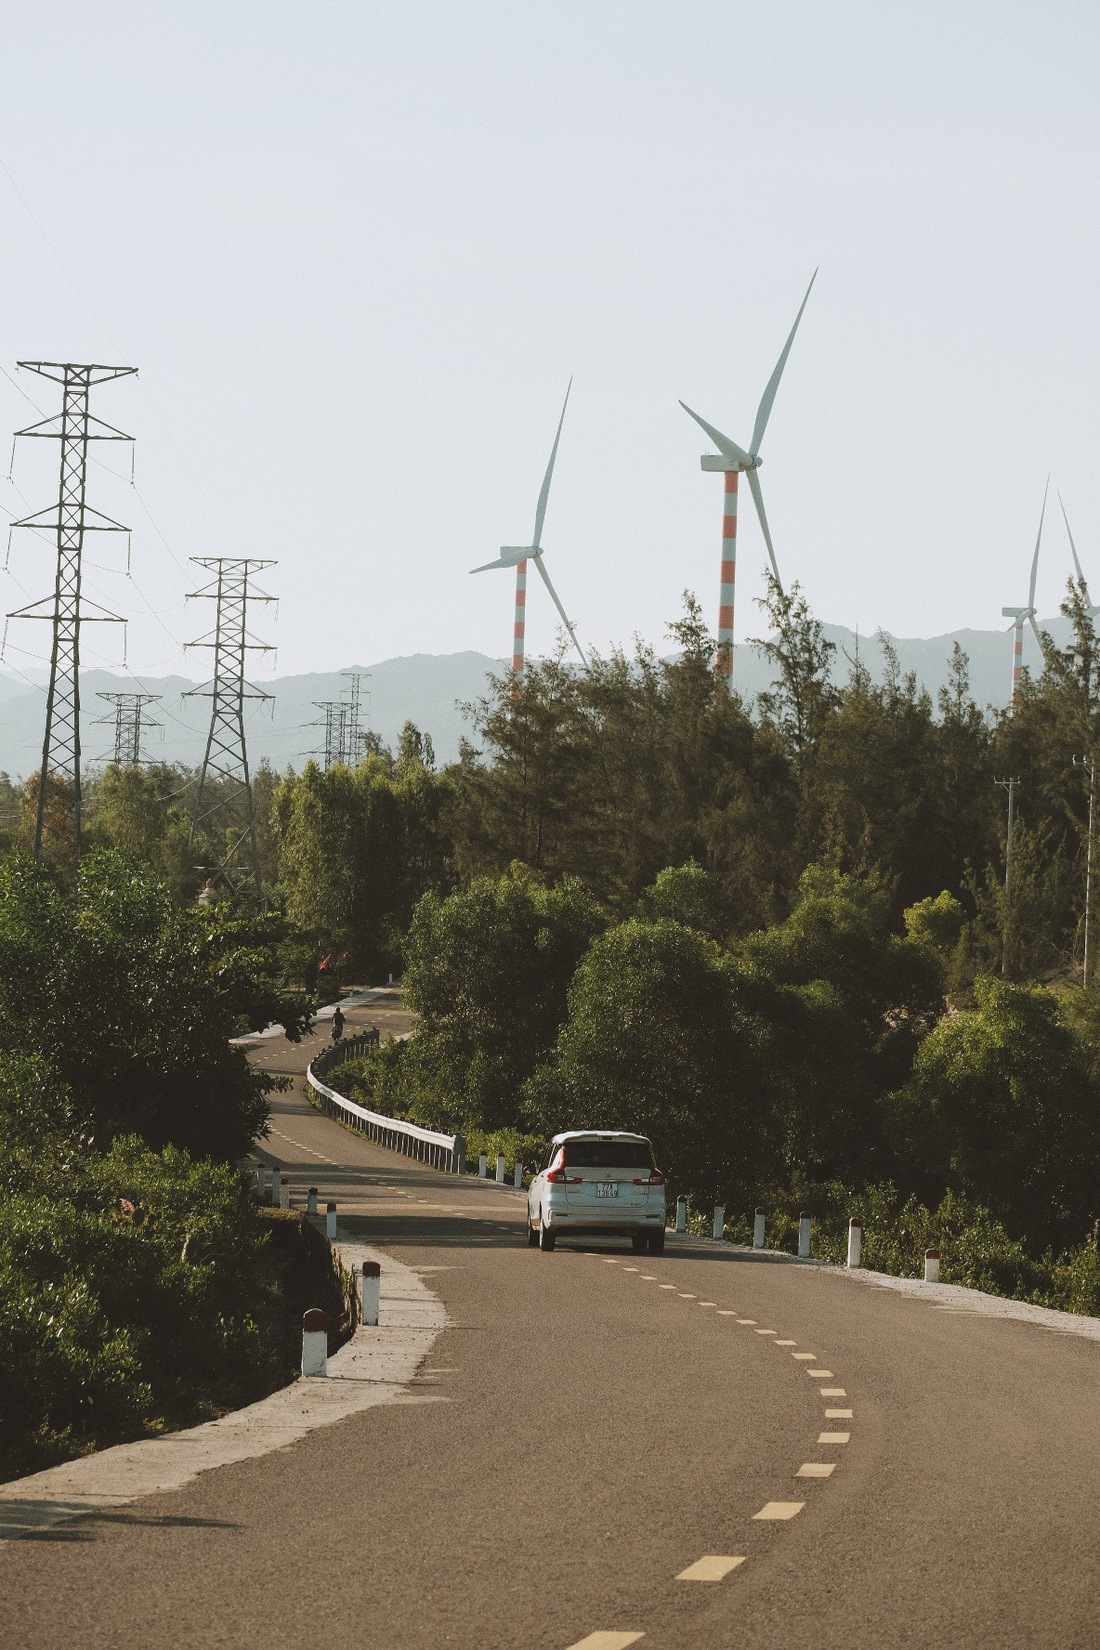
(598, 1181)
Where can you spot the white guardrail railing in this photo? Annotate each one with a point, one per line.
(442, 1151)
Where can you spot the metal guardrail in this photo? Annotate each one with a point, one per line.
(442, 1151)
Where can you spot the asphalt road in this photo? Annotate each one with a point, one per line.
(593, 1424)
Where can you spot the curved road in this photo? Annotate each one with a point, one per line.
(860, 1467)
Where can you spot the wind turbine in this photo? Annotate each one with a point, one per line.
(1019, 614)
(1093, 611)
(517, 556)
(732, 459)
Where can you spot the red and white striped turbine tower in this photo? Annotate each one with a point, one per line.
(732, 459)
(518, 556)
(1018, 615)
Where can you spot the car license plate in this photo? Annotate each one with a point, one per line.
(607, 1188)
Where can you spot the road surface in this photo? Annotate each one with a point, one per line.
(592, 1433)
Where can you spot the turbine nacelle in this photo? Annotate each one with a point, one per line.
(510, 556)
(715, 461)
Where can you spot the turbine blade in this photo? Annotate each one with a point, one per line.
(728, 448)
(540, 511)
(764, 410)
(566, 621)
(758, 499)
(1035, 628)
(1073, 547)
(1035, 557)
(486, 565)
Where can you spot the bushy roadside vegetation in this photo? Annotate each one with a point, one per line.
(131, 1255)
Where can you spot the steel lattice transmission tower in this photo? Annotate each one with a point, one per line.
(129, 719)
(354, 733)
(74, 427)
(225, 787)
(335, 724)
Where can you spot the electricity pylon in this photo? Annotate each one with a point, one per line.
(74, 426)
(129, 719)
(353, 743)
(335, 724)
(224, 784)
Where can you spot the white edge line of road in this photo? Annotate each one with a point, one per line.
(947, 1297)
(373, 1367)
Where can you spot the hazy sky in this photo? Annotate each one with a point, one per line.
(356, 250)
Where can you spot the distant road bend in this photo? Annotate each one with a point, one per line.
(708, 1449)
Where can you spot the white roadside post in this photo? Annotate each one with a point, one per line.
(483, 1167)
(370, 1290)
(855, 1240)
(758, 1230)
(517, 1177)
(719, 1219)
(803, 1236)
(276, 1185)
(315, 1342)
(330, 1222)
(261, 1177)
(681, 1214)
(311, 1201)
(284, 1194)
(500, 1168)
(931, 1266)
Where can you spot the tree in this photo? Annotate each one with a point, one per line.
(1008, 1113)
(487, 973)
(132, 1003)
(658, 1042)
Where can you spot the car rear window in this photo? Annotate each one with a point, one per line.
(608, 1154)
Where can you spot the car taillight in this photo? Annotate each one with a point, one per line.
(556, 1174)
(654, 1179)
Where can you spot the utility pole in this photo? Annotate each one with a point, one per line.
(1089, 765)
(74, 426)
(128, 719)
(225, 787)
(1010, 786)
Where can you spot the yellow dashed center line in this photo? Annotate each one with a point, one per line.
(713, 1567)
(786, 1343)
(802, 1356)
(684, 1297)
(816, 1469)
(780, 1509)
(820, 1374)
(765, 1331)
(832, 1392)
(606, 1641)
(833, 1437)
(838, 1415)
(746, 1320)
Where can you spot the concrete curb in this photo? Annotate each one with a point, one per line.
(373, 1367)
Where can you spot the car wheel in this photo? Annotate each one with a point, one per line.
(657, 1242)
(639, 1242)
(532, 1235)
(546, 1238)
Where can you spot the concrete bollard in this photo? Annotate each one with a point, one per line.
(370, 1290)
(315, 1342)
(500, 1168)
(330, 1222)
(758, 1230)
(284, 1194)
(483, 1167)
(719, 1219)
(517, 1177)
(276, 1185)
(803, 1236)
(681, 1214)
(311, 1201)
(855, 1240)
(931, 1266)
(261, 1181)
